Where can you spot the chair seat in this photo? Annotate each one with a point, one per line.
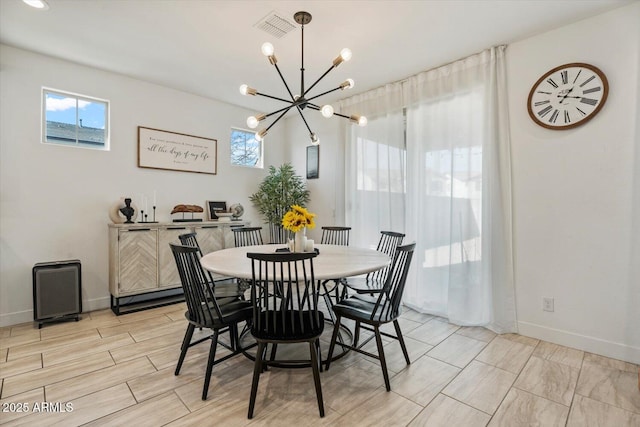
(228, 290)
(360, 307)
(291, 325)
(232, 312)
(363, 285)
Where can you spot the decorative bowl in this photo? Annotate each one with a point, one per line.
(224, 216)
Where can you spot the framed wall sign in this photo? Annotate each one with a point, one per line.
(159, 149)
(313, 161)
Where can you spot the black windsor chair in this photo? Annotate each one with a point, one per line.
(334, 235)
(290, 315)
(204, 311)
(385, 309)
(374, 281)
(225, 288)
(247, 236)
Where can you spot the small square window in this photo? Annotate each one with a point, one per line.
(75, 120)
(245, 149)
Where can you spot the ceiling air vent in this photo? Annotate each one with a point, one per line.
(275, 25)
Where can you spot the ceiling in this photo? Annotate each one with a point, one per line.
(210, 48)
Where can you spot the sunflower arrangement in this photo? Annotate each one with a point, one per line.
(297, 219)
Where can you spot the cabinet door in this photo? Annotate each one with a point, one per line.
(168, 276)
(210, 238)
(138, 261)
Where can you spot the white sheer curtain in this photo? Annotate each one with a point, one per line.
(457, 199)
(376, 175)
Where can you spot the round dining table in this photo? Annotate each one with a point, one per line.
(332, 261)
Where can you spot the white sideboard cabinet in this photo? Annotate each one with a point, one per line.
(142, 271)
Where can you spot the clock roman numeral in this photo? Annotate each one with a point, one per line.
(545, 111)
(588, 101)
(553, 117)
(577, 75)
(587, 81)
(567, 119)
(581, 112)
(552, 83)
(565, 77)
(546, 93)
(595, 89)
(539, 103)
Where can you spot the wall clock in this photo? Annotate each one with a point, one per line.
(568, 96)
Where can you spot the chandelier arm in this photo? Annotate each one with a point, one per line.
(304, 120)
(280, 110)
(284, 81)
(274, 97)
(318, 81)
(279, 117)
(317, 108)
(342, 115)
(324, 93)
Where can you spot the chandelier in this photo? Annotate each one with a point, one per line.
(302, 100)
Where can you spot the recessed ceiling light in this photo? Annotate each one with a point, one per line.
(38, 4)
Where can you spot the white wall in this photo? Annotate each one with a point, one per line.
(54, 200)
(574, 193)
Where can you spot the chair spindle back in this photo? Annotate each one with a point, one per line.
(200, 298)
(389, 300)
(335, 236)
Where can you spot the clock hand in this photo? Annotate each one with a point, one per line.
(566, 95)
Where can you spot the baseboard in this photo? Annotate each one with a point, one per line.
(581, 342)
(25, 316)
(15, 318)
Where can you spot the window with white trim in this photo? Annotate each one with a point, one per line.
(74, 120)
(245, 149)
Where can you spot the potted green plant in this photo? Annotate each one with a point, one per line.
(278, 191)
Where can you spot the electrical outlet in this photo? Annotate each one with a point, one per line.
(547, 304)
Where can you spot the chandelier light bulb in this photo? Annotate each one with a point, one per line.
(259, 136)
(359, 120)
(345, 54)
(38, 4)
(246, 90)
(267, 49)
(314, 139)
(252, 122)
(327, 111)
(347, 84)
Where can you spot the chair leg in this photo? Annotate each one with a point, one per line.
(334, 337)
(315, 364)
(212, 356)
(356, 334)
(329, 304)
(274, 348)
(319, 352)
(185, 346)
(257, 369)
(383, 361)
(401, 339)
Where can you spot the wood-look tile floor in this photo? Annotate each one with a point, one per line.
(118, 370)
